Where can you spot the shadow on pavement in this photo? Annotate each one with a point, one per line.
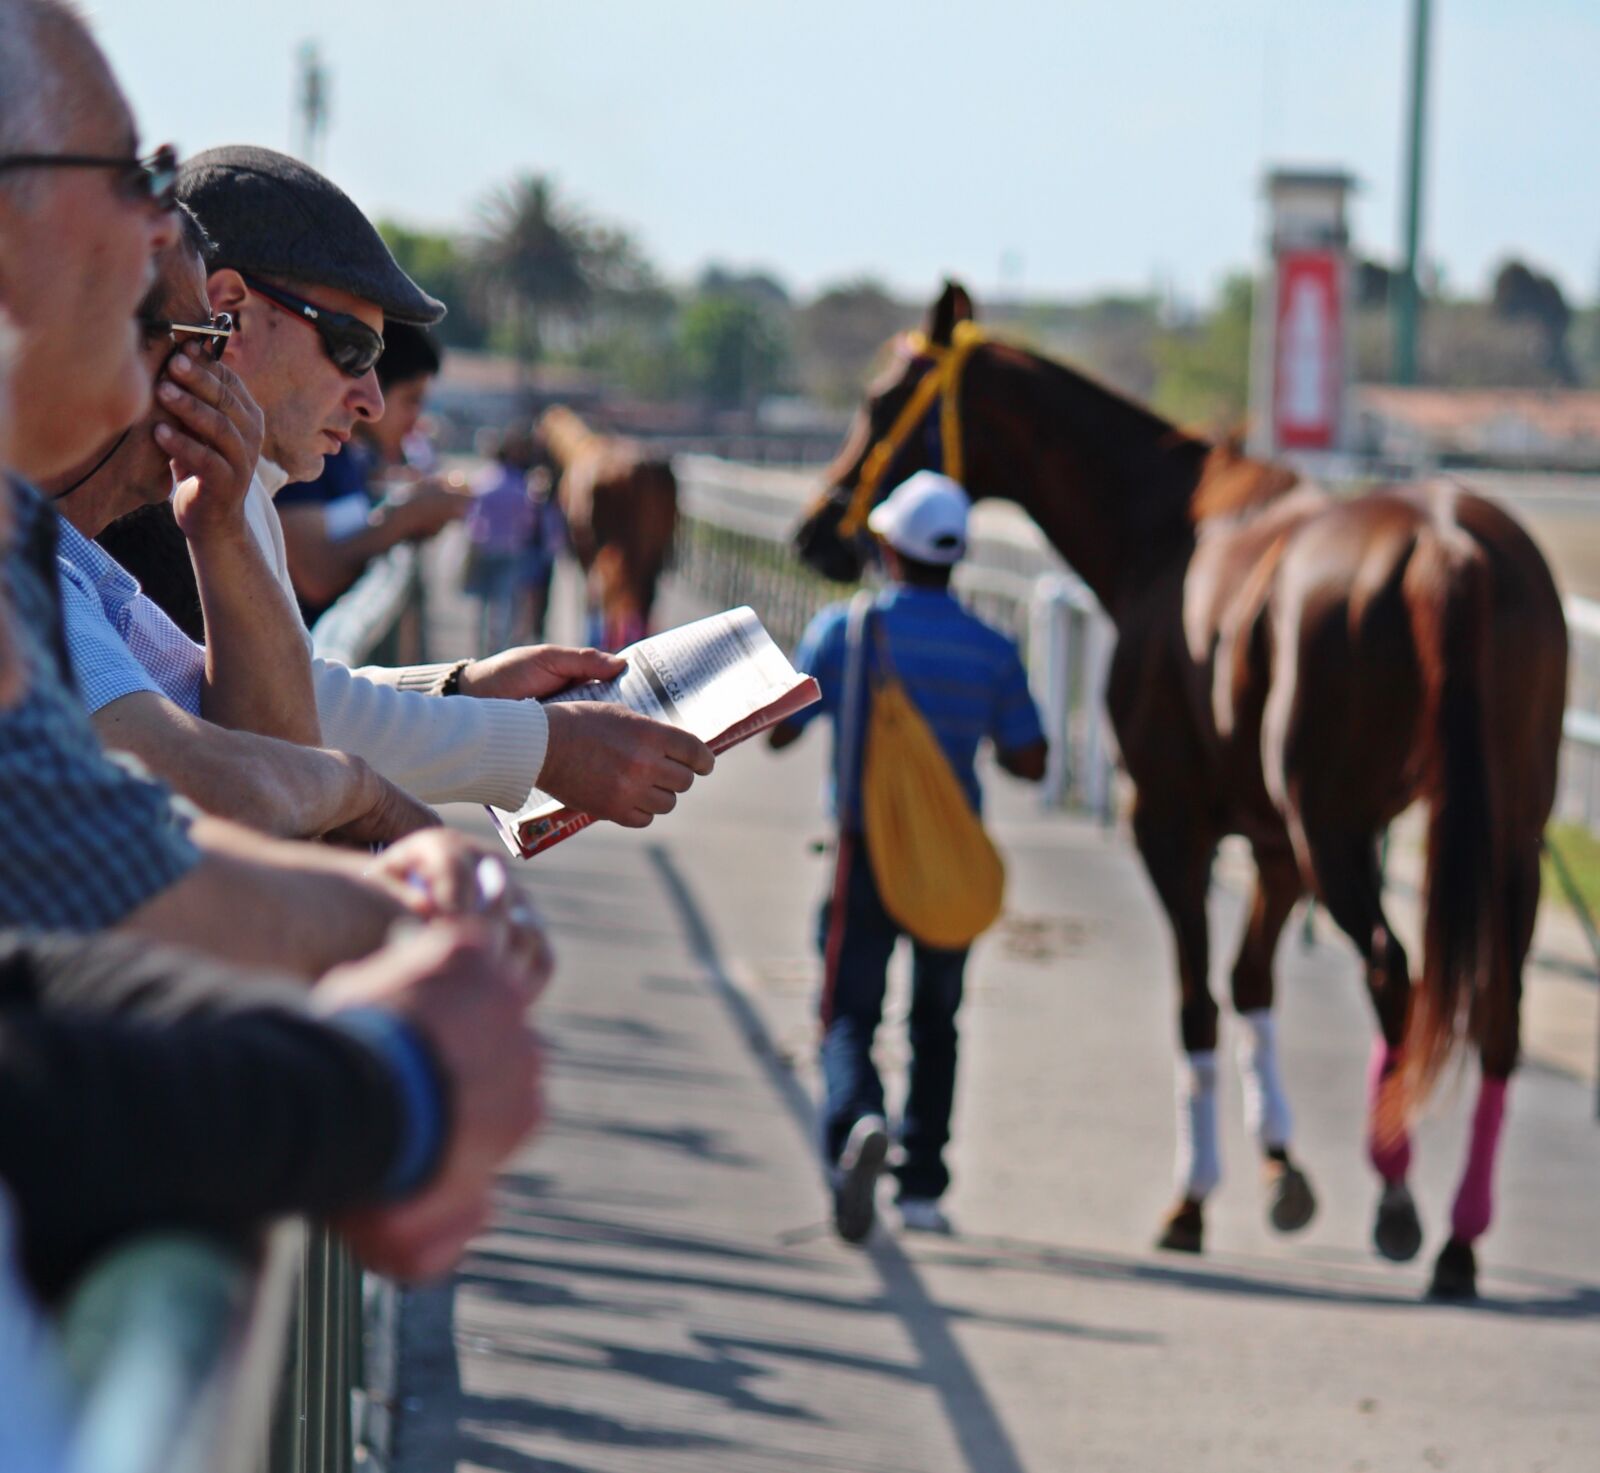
(975, 1424)
(1566, 1300)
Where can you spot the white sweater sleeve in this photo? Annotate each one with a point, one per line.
(441, 749)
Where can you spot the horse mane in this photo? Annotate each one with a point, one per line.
(565, 434)
(1124, 430)
(1232, 482)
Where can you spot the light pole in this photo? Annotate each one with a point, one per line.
(311, 106)
(1407, 299)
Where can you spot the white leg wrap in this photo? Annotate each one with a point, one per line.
(1266, 1106)
(1199, 1155)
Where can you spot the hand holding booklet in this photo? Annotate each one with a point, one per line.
(723, 679)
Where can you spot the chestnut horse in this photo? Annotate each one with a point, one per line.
(621, 508)
(1296, 669)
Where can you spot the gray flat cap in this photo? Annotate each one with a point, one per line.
(276, 216)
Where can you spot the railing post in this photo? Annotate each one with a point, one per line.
(1050, 617)
(1097, 738)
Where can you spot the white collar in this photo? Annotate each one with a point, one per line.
(272, 476)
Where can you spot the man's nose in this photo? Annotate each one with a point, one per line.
(366, 398)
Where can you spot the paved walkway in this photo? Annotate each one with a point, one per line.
(659, 1291)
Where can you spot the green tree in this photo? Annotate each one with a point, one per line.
(440, 265)
(1524, 295)
(734, 351)
(529, 259)
(1203, 369)
(840, 333)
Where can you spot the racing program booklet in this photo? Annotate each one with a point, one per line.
(721, 678)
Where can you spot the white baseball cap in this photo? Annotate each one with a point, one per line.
(924, 518)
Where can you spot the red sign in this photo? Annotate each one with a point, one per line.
(1308, 356)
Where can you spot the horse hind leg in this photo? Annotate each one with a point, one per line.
(1455, 1271)
(1291, 1204)
(1350, 885)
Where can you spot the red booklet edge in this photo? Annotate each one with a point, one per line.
(565, 824)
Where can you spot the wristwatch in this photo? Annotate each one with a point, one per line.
(451, 684)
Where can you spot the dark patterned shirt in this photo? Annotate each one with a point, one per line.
(86, 842)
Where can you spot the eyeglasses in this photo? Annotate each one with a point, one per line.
(353, 346)
(213, 335)
(153, 179)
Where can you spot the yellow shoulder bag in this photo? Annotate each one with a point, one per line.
(936, 868)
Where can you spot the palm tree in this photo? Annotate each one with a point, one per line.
(530, 255)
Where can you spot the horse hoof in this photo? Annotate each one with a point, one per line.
(1455, 1273)
(1291, 1204)
(1184, 1229)
(1397, 1231)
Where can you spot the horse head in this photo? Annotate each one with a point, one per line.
(833, 538)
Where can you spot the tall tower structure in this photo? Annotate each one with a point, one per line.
(1299, 331)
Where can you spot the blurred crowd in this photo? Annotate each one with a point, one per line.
(244, 973)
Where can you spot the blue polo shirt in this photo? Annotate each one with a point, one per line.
(120, 641)
(964, 676)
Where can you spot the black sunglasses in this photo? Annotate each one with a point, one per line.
(353, 346)
(154, 179)
(213, 335)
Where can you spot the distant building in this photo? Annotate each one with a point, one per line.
(1532, 429)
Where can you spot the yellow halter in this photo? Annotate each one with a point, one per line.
(942, 382)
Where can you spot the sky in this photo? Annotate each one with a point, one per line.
(1059, 149)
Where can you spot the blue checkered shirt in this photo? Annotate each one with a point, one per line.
(119, 640)
(86, 841)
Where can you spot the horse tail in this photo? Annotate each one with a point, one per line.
(1451, 598)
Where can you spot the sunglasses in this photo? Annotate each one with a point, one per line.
(213, 335)
(353, 346)
(152, 180)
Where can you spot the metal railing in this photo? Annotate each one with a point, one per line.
(382, 618)
(174, 1344)
(191, 1358)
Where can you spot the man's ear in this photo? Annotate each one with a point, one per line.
(226, 291)
(953, 306)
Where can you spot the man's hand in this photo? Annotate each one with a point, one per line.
(214, 441)
(535, 671)
(613, 763)
(380, 812)
(440, 873)
(425, 508)
(470, 1004)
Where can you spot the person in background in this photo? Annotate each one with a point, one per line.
(547, 540)
(368, 499)
(967, 682)
(499, 523)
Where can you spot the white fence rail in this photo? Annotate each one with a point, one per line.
(1578, 797)
(734, 546)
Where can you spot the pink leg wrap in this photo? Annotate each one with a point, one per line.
(1391, 1159)
(1474, 1205)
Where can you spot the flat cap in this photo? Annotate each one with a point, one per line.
(273, 215)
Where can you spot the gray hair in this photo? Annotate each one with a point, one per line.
(40, 40)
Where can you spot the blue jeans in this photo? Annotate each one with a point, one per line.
(856, 964)
(495, 580)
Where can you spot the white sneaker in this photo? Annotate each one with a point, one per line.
(923, 1215)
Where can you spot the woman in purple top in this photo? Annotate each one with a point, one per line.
(499, 522)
